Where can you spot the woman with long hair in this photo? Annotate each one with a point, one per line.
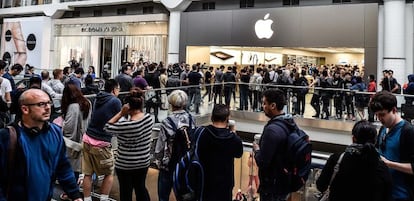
(76, 113)
(362, 175)
(133, 129)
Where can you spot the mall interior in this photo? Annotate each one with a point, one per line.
(372, 35)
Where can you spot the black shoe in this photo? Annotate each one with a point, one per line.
(316, 116)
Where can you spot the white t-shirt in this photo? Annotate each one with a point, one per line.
(4, 88)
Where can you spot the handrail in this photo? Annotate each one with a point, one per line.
(263, 85)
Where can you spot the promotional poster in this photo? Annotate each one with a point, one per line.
(21, 41)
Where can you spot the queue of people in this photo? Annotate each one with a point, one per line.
(34, 152)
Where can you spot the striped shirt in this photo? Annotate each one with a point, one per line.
(134, 139)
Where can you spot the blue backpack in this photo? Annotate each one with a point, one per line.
(298, 159)
(188, 178)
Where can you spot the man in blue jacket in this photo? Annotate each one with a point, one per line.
(39, 154)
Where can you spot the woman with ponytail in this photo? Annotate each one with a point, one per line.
(133, 129)
(362, 175)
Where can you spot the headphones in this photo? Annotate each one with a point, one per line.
(34, 131)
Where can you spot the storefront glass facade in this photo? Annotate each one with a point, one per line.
(146, 41)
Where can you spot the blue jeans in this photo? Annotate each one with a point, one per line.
(272, 197)
(165, 183)
(194, 97)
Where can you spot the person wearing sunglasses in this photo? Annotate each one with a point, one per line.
(395, 144)
(38, 154)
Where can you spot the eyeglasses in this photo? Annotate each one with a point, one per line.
(41, 104)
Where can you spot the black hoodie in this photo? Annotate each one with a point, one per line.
(217, 149)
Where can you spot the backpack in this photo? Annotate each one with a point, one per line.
(174, 77)
(266, 78)
(181, 141)
(283, 80)
(298, 159)
(188, 177)
(326, 83)
(304, 90)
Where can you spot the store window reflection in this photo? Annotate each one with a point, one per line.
(110, 43)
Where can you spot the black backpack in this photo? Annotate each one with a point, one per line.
(181, 141)
(188, 177)
(296, 170)
(305, 89)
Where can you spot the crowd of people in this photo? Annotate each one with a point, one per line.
(78, 145)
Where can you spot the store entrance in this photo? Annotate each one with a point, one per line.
(279, 56)
(105, 55)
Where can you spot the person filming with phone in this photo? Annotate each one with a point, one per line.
(218, 146)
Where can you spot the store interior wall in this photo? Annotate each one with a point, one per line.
(201, 54)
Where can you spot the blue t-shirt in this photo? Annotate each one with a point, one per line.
(390, 149)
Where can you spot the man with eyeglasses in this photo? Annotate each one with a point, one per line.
(395, 143)
(38, 154)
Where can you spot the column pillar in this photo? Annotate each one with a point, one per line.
(176, 7)
(394, 39)
(380, 59)
(409, 33)
(174, 37)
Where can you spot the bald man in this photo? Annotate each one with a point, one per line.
(40, 154)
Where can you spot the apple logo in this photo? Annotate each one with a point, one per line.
(263, 28)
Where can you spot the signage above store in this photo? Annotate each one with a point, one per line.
(101, 28)
(263, 27)
(112, 29)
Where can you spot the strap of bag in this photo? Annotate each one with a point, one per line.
(336, 170)
(190, 122)
(174, 127)
(11, 157)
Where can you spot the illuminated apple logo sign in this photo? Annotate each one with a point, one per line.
(263, 28)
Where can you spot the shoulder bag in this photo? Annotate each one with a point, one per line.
(325, 195)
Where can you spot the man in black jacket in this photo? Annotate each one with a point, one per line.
(395, 143)
(270, 153)
(218, 146)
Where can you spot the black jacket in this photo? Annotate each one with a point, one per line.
(272, 154)
(356, 180)
(217, 149)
